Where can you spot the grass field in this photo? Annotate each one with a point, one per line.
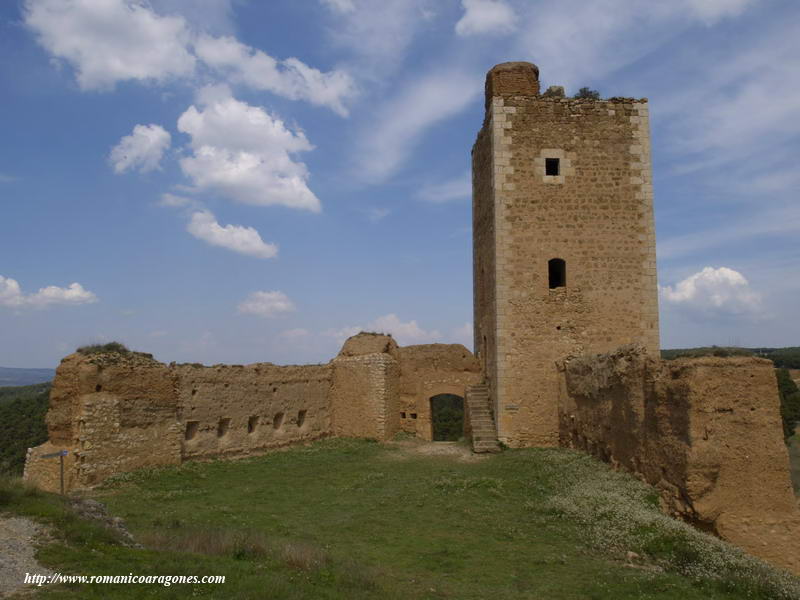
(356, 519)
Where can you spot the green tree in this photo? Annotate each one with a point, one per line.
(590, 94)
(790, 402)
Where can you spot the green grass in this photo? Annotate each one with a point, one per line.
(355, 519)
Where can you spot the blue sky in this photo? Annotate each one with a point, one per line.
(239, 181)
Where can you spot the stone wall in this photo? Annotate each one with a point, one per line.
(596, 214)
(705, 432)
(429, 370)
(115, 413)
(241, 410)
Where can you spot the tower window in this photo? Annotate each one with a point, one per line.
(551, 166)
(557, 272)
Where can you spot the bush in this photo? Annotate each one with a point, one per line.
(588, 94)
(103, 349)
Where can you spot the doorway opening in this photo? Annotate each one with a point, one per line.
(447, 417)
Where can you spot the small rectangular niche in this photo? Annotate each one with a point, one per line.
(191, 429)
(402, 415)
(252, 424)
(301, 417)
(223, 426)
(552, 166)
(413, 415)
(277, 421)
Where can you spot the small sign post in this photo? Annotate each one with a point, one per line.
(61, 454)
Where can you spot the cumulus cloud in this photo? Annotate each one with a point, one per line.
(290, 78)
(464, 335)
(244, 153)
(107, 41)
(404, 332)
(142, 150)
(244, 240)
(484, 17)
(721, 291)
(266, 304)
(399, 125)
(446, 191)
(11, 295)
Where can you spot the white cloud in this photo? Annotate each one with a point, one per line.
(107, 41)
(244, 240)
(714, 291)
(445, 191)
(243, 153)
(174, 201)
(7, 178)
(295, 334)
(405, 333)
(142, 150)
(485, 16)
(464, 335)
(266, 304)
(399, 125)
(378, 33)
(711, 11)
(290, 78)
(11, 295)
(376, 214)
(607, 35)
(341, 6)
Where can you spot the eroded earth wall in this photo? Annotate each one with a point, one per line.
(705, 432)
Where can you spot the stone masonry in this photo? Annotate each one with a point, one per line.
(593, 212)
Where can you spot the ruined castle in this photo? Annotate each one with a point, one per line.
(566, 348)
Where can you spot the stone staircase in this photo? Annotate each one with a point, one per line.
(481, 420)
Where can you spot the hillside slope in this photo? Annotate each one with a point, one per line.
(354, 519)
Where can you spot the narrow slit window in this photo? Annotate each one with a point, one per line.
(223, 426)
(557, 272)
(551, 166)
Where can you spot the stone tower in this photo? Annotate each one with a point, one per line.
(563, 241)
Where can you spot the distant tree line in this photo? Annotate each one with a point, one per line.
(22, 411)
(790, 402)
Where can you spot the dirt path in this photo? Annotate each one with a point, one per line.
(455, 450)
(17, 536)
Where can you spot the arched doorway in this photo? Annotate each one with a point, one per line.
(447, 417)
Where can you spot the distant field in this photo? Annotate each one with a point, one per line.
(16, 377)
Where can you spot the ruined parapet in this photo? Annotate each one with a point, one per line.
(112, 413)
(706, 432)
(365, 390)
(510, 79)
